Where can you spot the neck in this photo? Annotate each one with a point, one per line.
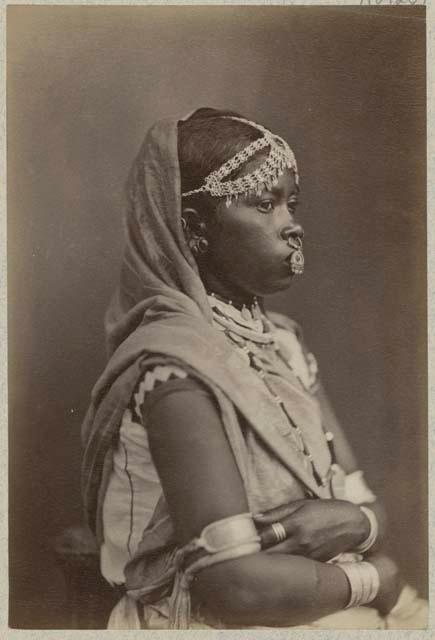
(229, 292)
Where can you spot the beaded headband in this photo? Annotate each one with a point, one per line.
(280, 157)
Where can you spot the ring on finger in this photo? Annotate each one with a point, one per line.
(279, 531)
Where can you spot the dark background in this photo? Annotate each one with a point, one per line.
(346, 87)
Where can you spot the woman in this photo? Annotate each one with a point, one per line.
(216, 477)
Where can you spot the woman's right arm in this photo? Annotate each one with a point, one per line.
(202, 484)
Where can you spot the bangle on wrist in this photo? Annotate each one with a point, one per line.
(373, 533)
(364, 582)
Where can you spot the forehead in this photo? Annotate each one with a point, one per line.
(286, 184)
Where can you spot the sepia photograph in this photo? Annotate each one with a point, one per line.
(217, 317)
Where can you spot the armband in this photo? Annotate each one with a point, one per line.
(357, 490)
(224, 539)
(364, 582)
(374, 531)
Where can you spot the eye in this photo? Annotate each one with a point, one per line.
(292, 204)
(265, 206)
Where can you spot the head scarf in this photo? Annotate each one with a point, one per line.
(158, 269)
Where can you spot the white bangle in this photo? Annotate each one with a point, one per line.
(373, 533)
(364, 582)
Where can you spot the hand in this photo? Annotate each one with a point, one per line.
(391, 583)
(318, 529)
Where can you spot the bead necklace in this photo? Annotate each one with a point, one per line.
(240, 335)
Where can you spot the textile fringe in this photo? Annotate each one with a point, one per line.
(179, 603)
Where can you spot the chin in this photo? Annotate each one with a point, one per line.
(279, 285)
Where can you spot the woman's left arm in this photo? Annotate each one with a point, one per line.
(346, 457)
(321, 529)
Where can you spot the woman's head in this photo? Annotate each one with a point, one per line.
(243, 241)
(247, 248)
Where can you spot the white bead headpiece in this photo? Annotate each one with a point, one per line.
(280, 157)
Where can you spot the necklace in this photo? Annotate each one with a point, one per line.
(248, 312)
(244, 332)
(246, 323)
(244, 335)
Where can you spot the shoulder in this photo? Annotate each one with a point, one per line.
(160, 380)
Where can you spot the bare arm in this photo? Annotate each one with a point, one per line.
(346, 456)
(202, 484)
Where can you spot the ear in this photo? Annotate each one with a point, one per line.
(194, 221)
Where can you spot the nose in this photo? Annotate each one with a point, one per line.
(294, 232)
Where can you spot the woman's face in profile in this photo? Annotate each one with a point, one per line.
(248, 241)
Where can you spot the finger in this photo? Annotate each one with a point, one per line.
(292, 547)
(271, 536)
(289, 547)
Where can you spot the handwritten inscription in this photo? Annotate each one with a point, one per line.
(391, 2)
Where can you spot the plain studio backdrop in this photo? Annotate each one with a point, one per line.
(346, 87)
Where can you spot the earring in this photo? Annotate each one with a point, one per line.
(198, 246)
(202, 246)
